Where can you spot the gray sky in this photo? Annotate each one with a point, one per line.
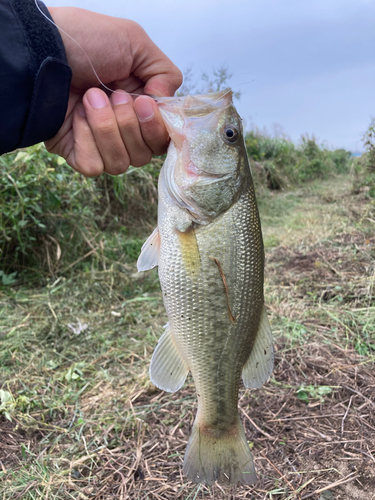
(310, 64)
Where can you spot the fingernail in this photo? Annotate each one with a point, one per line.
(120, 97)
(96, 98)
(144, 108)
(81, 111)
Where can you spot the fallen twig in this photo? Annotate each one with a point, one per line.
(359, 394)
(332, 485)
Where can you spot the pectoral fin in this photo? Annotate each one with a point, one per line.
(150, 252)
(168, 370)
(259, 365)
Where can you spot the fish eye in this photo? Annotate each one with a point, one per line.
(230, 134)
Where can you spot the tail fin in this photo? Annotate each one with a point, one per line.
(216, 455)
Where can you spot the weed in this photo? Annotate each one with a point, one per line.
(308, 392)
(278, 163)
(363, 168)
(80, 418)
(53, 219)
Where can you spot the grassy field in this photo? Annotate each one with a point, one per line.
(79, 418)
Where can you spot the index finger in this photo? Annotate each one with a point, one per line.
(152, 125)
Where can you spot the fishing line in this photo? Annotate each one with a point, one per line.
(80, 46)
(155, 98)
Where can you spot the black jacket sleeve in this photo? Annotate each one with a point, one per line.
(34, 75)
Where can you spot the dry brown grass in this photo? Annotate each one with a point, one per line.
(111, 434)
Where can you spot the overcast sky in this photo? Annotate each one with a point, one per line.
(309, 64)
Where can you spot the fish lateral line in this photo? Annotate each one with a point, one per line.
(231, 317)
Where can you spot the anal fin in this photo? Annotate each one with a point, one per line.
(168, 370)
(259, 365)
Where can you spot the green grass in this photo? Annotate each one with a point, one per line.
(53, 220)
(76, 398)
(307, 214)
(280, 163)
(53, 372)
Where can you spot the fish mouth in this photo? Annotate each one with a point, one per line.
(194, 170)
(193, 173)
(180, 190)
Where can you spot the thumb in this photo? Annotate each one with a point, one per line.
(164, 85)
(160, 76)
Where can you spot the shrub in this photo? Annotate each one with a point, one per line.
(40, 199)
(369, 143)
(342, 160)
(51, 215)
(364, 167)
(281, 164)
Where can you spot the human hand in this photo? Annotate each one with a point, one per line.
(108, 134)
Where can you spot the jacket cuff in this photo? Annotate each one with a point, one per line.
(34, 88)
(49, 102)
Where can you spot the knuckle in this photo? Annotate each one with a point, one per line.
(127, 122)
(141, 160)
(177, 77)
(105, 127)
(90, 170)
(118, 163)
(117, 167)
(88, 162)
(134, 25)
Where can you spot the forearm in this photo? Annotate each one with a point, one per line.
(35, 76)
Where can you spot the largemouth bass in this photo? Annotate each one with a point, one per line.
(209, 249)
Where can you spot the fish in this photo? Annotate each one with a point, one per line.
(209, 249)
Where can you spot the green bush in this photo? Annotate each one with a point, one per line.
(41, 199)
(280, 164)
(51, 216)
(364, 167)
(53, 219)
(364, 175)
(342, 160)
(276, 159)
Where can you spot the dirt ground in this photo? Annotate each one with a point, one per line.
(311, 428)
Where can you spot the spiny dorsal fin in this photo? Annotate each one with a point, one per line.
(168, 370)
(150, 252)
(259, 366)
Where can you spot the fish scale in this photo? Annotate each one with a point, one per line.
(209, 249)
(205, 352)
